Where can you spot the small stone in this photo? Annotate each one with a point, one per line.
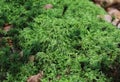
(114, 12)
(107, 18)
(48, 6)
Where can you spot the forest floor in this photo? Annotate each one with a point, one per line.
(57, 41)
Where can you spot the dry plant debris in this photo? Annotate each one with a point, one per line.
(112, 7)
(35, 78)
(7, 27)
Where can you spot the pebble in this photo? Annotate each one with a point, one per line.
(48, 6)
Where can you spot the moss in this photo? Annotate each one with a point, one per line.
(78, 46)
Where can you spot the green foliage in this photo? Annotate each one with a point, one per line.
(76, 46)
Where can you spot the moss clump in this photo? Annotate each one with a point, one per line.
(76, 46)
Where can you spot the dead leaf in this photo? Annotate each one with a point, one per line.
(7, 27)
(35, 78)
(48, 6)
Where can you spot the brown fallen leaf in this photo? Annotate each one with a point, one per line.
(7, 27)
(35, 78)
(48, 6)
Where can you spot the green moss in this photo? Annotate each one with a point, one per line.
(78, 46)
